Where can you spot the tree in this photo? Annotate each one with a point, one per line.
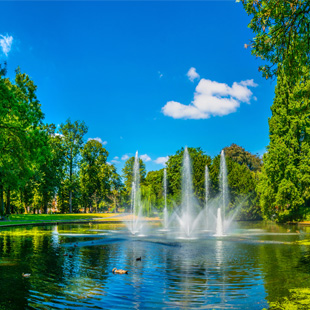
(154, 180)
(282, 35)
(21, 133)
(51, 168)
(128, 175)
(148, 197)
(93, 172)
(285, 179)
(174, 172)
(239, 155)
(242, 174)
(73, 134)
(115, 186)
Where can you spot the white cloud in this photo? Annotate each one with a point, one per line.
(160, 74)
(99, 140)
(6, 43)
(116, 157)
(161, 160)
(125, 157)
(211, 98)
(115, 161)
(145, 157)
(249, 83)
(192, 74)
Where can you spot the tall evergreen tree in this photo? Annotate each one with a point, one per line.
(285, 179)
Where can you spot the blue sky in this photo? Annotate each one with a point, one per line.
(146, 76)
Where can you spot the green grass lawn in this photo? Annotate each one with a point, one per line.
(46, 218)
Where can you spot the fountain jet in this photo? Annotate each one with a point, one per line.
(165, 196)
(220, 223)
(136, 198)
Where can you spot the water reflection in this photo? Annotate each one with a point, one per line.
(71, 265)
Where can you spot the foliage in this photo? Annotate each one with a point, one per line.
(174, 172)
(242, 169)
(22, 137)
(72, 134)
(115, 191)
(285, 178)
(239, 155)
(154, 180)
(282, 35)
(51, 168)
(128, 176)
(298, 300)
(93, 172)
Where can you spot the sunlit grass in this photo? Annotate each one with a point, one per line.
(47, 218)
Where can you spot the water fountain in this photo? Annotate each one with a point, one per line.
(189, 219)
(188, 216)
(136, 208)
(207, 195)
(165, 197)
(220, 220)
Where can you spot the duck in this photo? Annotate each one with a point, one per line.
(26, 275)
(138, 259)
(119, 271)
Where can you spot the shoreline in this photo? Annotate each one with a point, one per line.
(109, 220)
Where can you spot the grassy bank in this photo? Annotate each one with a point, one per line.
(55, 218)
(27, 219)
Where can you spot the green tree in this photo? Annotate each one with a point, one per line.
(239, 155)
(148, 198)
(21, 133)
(94, 172)
(242, 174)
(174, 173)
(285, 179)
(154, 179)
(128, 176)
(73, 134)
(115, 187)
(282, 35)
(51, 168)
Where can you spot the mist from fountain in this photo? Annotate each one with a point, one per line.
(136, 205)
(189, 216)
(165, 197)
(190, 219)
(220, 222)
(207, 195)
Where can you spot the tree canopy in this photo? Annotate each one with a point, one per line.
(282, 35)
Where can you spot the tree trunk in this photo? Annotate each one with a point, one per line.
(70, 201)
(45, 206)
(1, 200)
(8, 201)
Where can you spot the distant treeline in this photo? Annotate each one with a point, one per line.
(47, 169)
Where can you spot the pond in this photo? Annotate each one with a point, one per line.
(71, 267)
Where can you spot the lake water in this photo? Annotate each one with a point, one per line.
(256, 264)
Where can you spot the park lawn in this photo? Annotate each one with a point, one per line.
(50, 218)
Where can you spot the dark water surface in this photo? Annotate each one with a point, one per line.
(256, 264)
